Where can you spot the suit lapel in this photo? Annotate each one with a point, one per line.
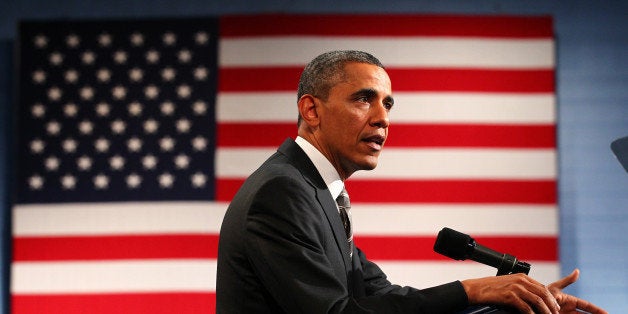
(331, 211)
(298, 157)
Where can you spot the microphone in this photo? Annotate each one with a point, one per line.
(460, 246)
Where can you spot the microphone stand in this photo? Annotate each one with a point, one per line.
(510, 265)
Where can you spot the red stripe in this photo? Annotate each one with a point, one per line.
(114, 247)
(266, 134)
(387, 25)
(472, 135)
(452, 191)
(154, 303)
(436, 191)
(251, 79)
(529, 248)
(266, 79)
(403, 135)
(472, 80)
(92, 248)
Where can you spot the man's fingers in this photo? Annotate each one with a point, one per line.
(589, 307)
(543, 296)
(567, 280)
(537, 297)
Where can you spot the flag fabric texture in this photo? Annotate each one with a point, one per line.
(134, 135)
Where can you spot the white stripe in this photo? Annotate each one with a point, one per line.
(409, 163)
(426, 274)
(392, 51)
(113, 276)
(475, 220)
(117, 218)
(473, 108)
(409, 108)
(200, 275)
(369, 219)
(257, 107)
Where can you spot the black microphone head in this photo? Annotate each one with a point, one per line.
(453, 244)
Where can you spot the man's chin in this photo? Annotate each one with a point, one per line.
(364, 164)
(369, 164)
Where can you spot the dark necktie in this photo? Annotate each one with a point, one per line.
(344, 207)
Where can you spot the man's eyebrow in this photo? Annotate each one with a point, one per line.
(371, 93)
(367, 92)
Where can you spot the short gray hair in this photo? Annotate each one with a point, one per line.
(323, 72)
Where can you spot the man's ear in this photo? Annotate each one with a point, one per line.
(308, 109)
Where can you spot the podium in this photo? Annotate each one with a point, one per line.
(620, 149)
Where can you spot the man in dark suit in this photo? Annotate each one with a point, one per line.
(286, 241)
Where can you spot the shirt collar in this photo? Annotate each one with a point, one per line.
(324, 167)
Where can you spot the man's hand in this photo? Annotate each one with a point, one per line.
(528, 295)
(569, 303)
(517, 290)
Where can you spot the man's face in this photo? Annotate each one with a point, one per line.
(354, 118)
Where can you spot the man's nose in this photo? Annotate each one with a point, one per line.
(379, 116)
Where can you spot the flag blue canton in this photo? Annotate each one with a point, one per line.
(117, 111)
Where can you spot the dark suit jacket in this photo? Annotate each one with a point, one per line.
(283, 249)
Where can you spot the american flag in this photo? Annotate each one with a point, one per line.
(134, 135)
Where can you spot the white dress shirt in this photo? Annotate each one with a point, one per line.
(324, 167)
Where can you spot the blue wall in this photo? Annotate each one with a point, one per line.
(592, 77)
